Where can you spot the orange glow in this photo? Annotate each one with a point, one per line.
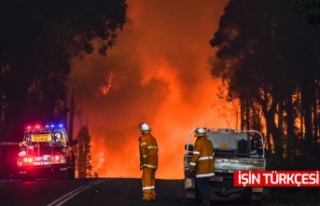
(160, 76)
(106, 85)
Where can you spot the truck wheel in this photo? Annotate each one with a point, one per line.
(256, 199)
(190, 196)
(27, 177)
(246, 197)
(64, 175)
(71, 173)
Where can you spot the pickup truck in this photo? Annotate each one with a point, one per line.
(234, 150)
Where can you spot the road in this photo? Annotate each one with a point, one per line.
(88, 192)
(93, 192)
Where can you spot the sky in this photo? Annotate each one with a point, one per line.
(158, 73)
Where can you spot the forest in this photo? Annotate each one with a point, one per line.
(38, 41)
(269, 61)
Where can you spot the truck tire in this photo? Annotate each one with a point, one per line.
(71, 173)
(64, 175)
(190, 196)
(256, 199)
(27, 177)
(246, 197)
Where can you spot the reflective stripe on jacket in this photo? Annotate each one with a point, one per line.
(148, 151)
(203, 158)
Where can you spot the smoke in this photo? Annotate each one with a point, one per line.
(157, 73)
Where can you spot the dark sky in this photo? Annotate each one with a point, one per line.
(157, 73)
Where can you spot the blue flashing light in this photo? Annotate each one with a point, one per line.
(52, 126)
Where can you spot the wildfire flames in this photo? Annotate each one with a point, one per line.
(156, 73)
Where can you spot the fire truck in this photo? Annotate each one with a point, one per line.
(234, 150)
(46, 152)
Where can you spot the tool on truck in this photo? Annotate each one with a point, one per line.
(234, 150)
(46, 151)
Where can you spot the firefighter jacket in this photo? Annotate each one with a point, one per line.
(203, 158)
(148, 151)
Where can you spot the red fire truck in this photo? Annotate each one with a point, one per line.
(47, 152)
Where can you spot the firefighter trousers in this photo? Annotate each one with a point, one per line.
(148, 184)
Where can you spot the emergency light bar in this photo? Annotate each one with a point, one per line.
(55, 126)
(48, 126)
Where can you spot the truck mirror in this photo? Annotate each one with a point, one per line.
(188, 147)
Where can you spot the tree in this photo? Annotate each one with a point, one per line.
(84, 153)
(268, 59)
(310, 8)
(38, 39)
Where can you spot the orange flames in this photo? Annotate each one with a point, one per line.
(162, 52)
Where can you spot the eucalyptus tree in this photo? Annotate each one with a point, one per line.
(268, 59)
(84, 157)
(38, 39)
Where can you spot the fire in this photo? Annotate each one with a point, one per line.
(106, 85)
(162, 52)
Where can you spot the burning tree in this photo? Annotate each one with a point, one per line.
(84, 153)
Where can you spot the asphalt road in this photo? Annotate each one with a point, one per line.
(128, 192)
(89, 192)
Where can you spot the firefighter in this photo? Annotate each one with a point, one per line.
(202, 164)
(148, 148)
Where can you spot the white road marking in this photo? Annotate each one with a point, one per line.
(61, 200)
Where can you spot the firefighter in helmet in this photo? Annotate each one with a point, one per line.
(202, 164)
(148, 148)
